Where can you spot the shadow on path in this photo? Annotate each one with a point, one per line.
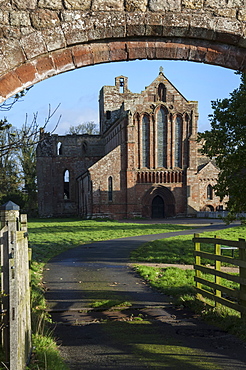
(150, 334)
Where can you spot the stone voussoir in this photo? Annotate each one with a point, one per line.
(31, 29)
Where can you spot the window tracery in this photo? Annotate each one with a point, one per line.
(161, 138)
(145, 141)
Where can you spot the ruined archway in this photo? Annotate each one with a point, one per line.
(40, 39)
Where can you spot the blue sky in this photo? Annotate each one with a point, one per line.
(77, 91)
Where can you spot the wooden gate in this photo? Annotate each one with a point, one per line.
(15, 288)
(233, 298)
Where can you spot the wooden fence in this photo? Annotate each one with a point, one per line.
(15, 288)
(233, 298)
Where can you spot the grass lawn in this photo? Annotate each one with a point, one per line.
(179, 249)
(49, 237)
(179, 283)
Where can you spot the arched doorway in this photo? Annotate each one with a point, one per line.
(158, 207)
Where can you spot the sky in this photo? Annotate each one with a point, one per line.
(76, 92)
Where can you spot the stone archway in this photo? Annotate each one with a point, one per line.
(165, 198)
(43, 38)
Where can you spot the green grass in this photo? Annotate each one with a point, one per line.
(106, 304)
(180, 249)
(151, 346)
(49, 237)
(179, 283)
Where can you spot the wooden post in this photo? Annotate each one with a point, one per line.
(242, 273)
(198, 262)
(16, 287)
(217, 252)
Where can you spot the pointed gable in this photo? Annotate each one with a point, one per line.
(208, 170)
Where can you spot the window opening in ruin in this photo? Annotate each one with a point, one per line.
(66, 176)
(178, 142)
(162, 93)
(59, 148)
(108, 114)
(145, 141)
(210, 192)
(161, 138)
(122, 85)
(110, 188)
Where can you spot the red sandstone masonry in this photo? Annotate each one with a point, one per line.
(82, 55)
(63, 60)
(9, 84)
(45, 66)
(26, 73)
(117, 51)
(100, 53)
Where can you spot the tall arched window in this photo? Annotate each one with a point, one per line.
(178, 142)
(210, 192)
(110, 188)
(66, 192)
(161, 138)
(145, 141)
(161, 92)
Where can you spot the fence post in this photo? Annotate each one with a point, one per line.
(15, 285)
(242, 273)
(198, 262)
(217, 252)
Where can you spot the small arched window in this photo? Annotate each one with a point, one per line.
(59, 148)
(162, 92)
(210, 192)
(110, 188)
(66, 192)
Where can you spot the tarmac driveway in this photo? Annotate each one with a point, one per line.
(80, 276)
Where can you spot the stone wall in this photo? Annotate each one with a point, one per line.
(42, 38)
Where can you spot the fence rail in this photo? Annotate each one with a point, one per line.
(15, 288)
(232, 298)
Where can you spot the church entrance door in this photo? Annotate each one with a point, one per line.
(158, 210)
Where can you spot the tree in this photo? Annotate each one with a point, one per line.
(27, 159)
(90, 128)
(18, 157)
(10, 179)
(226, 143)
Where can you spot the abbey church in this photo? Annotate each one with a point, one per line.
(144, 163)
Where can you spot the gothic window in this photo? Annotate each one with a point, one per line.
(210, 192)
(178, 142)
(162, 92)
(145, 141)
(59, 148)
(161, 138)
(110, 188)
(66, 194)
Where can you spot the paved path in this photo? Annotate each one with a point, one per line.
(78, 277)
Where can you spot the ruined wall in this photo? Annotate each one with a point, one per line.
(42, 38)
(55, 155)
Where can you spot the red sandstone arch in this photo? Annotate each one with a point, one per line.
(59, 61)
(40, 39)
(165, 194)
(54, 63)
